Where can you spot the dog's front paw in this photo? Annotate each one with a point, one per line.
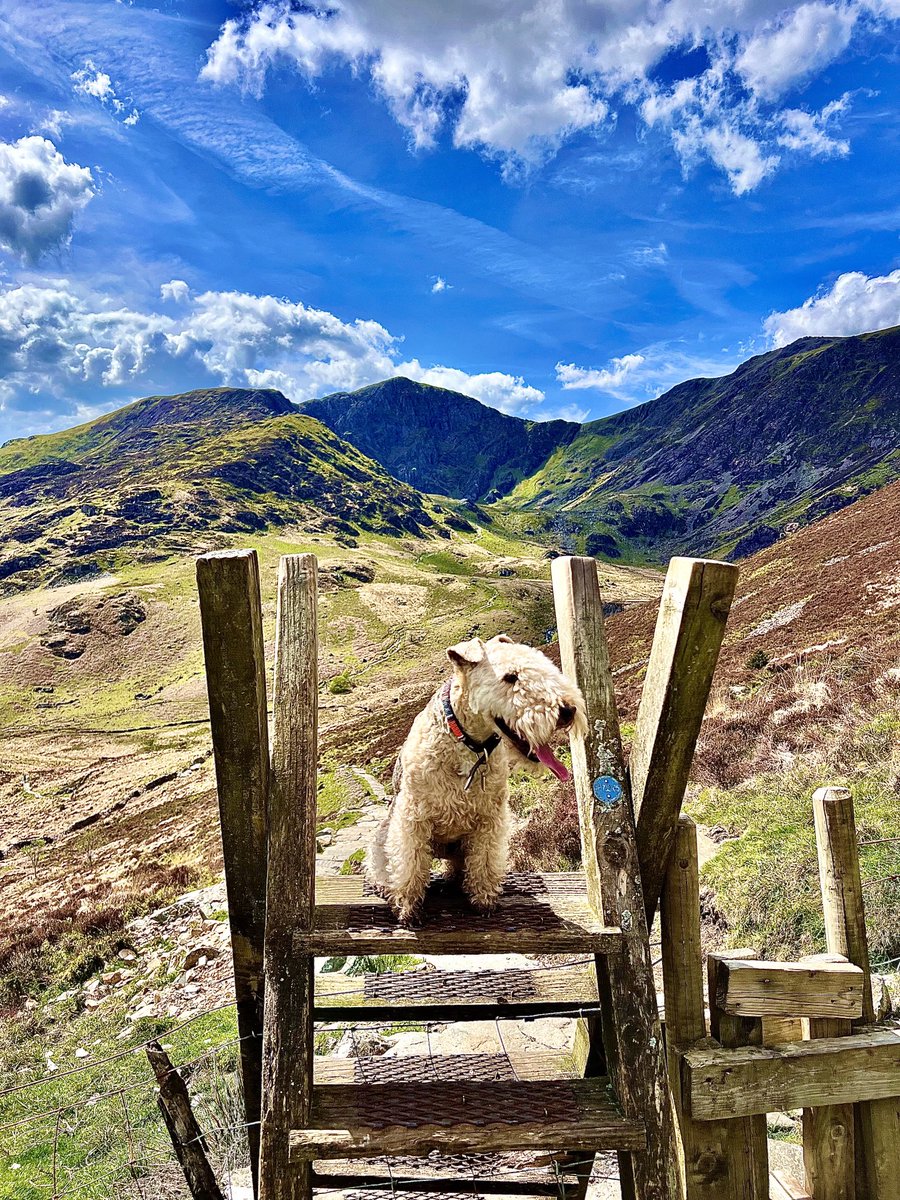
(409, 915)
(484, 902)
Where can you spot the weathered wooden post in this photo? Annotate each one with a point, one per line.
(878, 1121)
(693, 612)
(633, 1039)
(290, 893)
(178, 1117)
(747, 1137)
(231, 617)
(828, 1136)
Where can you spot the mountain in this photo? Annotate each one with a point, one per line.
(438, 440)
(713, 466)
(812, 645)
(176, 472)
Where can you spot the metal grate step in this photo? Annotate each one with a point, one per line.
(429, 995)
(357, 1121)
(537, 913)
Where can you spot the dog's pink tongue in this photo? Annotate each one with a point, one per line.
(549, 759)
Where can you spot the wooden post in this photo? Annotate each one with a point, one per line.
(290, 891)
(231, 618)
(631, 1028)
(747, 1137)
(828, 1140)
(703, 1143)
(178, 1116)
(693, 611)
(878, 1121)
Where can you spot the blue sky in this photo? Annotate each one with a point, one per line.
(561, 207)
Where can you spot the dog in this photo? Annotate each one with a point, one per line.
(503, 706)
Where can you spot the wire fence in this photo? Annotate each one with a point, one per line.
(146, 1167)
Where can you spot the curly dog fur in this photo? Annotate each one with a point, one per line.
(499, 687)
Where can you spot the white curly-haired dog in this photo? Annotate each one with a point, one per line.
(504, 705)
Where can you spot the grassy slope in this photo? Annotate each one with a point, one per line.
(807, 694)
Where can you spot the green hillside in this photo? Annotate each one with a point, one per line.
(170, 473)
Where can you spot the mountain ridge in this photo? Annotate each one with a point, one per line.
(722, 465)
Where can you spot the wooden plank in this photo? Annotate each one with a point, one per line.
(178, 1116)
(785, 1187)
(808, 989)
(778, 1030)
(231, 620)
(876, 1124)
(288, 1026)
(747, 1136)
(828, 1135)
(631, 1030)
(760, 1079)
(705, 1146)
(462, 1117)
(693, 611)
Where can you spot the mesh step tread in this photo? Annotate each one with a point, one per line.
(429, 995)
(537, 913)
(446, 1068)
(356, 1121)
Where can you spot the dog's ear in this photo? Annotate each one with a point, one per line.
(466, 655)
(503, 637)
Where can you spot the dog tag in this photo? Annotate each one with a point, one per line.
(607, 790)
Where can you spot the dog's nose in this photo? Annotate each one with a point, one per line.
(566, 717)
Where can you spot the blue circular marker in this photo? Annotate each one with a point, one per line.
(607, 790)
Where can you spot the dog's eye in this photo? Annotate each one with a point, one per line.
(511, 677)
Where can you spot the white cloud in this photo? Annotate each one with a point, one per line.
(89, 80)
(64, 346)
(176, 290)
(609, 379)
(637, 377)
(40, 196)
(855, 303)
(515, 79)
(509, 393)
(440, 285)
(808, 131)
(797, 44)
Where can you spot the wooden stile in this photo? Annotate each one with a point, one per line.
(290, 894)
(693, 612)
(828, 1136)
(231, 619)
(747, 1137)
(705, 1149)
(632, 1034)
(878, 1123)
